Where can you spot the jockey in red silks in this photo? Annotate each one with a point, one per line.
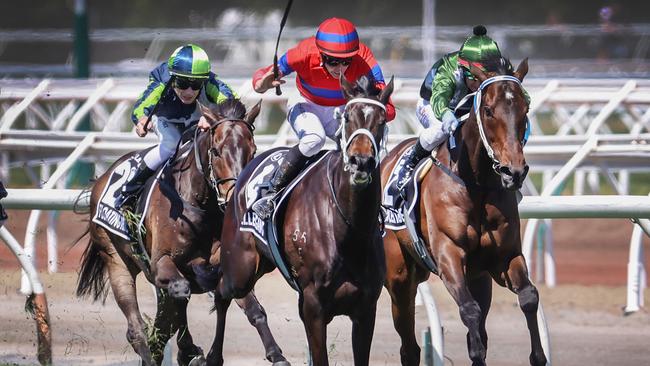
(318, 63)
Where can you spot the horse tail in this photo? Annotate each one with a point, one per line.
(92, 276)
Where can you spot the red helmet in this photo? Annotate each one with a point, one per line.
(338, 38)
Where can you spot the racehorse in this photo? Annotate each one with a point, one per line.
(332, 244)
(468, 218)
(183, 224)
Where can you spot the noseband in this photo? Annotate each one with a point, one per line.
(496, 164)
(211, 178)
(346, 141)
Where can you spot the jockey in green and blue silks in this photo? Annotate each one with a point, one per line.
(446, 84)
(174, 88)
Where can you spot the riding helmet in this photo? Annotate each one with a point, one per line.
(479, 47)
(189, 61)
(337, 37)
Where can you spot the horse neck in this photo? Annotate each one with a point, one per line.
(359, 205)
(474, 165)
(191, 183)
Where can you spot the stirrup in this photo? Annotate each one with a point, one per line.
(125, 200)
(264, 206)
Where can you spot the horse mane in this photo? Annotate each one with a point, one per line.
(231, 109)
(498, 65)
(366, 86)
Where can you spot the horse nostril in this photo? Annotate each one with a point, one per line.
(504, 169)
(372, 162)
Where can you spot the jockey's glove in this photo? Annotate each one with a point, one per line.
(449, 122)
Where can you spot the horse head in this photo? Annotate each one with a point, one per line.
(362, 129)
(230, 145)
(500, 110)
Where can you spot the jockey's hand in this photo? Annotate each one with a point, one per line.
(203, 124)
(140, 128)
(267, 82)
(449, 122)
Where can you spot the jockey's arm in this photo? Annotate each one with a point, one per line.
(218, 91)
(145, 105)
(443, 88)
(263, 79)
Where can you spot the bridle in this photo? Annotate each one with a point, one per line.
(496, 164)
(346, 141)
(211, 179)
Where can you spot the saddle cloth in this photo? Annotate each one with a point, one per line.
(266, 230)
(258, 184)
(396, 206)
(113, 219)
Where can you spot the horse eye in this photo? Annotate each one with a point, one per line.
(214, 151)
(488, 112)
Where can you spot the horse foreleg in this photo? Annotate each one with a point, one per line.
(481, 289)
(167, 276)
(363, 327)
(311, 313)
(221, 304)
(452, 263)
(187, 350)
(402, 287)
(123, 286)
(164, 325)
(518, 282)
(257, 317)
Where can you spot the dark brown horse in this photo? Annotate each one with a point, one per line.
(183, 224)
(470, 226)
(329, 231)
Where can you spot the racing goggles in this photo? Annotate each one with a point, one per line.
(184, 83)
(332, 61)
(466, 65)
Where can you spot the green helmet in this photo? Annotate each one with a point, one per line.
(189, 61)
(479, 47)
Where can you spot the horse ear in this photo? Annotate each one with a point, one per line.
(386, 92)
(480, 75)
(253, 113)
(208, 113)
(347, 88)
(522, 70)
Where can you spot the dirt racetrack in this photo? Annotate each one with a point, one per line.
(583, 312)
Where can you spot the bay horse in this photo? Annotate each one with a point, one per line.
(332, 244)
(183, 224)
(468, 218)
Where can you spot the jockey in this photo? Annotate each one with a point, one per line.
(446, 84)
(318, 62)
(174, 88)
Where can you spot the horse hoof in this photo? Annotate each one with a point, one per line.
(281, 363)
(179, 289)
(198, 361)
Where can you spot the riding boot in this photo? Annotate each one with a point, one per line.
(404, 176)
(288, 170)
(134, 185)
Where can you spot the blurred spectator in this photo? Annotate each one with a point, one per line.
(611, 43)
(3, 214)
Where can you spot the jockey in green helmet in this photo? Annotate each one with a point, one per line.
(448, 81)
(170, 103)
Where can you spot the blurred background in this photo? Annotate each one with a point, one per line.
(581, 38)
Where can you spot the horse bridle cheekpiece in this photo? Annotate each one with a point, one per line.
(212, 179)
(346, 141)
(496, 164)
